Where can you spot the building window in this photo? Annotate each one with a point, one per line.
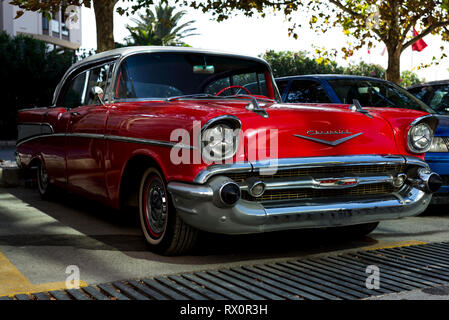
(45, 25)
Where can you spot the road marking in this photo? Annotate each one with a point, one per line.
(13, 282)
(393, 244)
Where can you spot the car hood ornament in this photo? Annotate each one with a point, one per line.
(333, 132)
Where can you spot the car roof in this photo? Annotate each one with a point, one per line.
(430, 83)
(329, 77)
(119, 53)
(125, 51)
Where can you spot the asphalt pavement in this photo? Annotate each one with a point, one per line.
(40, 239)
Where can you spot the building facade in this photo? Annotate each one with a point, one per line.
(62, 31)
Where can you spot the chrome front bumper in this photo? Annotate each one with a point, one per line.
(197, 205)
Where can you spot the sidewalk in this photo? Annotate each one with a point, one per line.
(435, 293)
(7, 143)
(9, 173)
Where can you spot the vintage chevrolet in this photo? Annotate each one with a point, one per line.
(199, 140)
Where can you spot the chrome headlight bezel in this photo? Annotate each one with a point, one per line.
(439, 144)
(422, 144)
(227, 130)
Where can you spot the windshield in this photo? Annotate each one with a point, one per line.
(165, 75)
(372, 93)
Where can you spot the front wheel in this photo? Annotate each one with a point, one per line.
(162, 228)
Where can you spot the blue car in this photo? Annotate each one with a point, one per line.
(371, 92)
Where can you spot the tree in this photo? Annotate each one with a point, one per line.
(104, 14)
(30, 74)
(160, 26)
(288, 63)
(388, 21)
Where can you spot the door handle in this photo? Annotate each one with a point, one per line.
(74, 113)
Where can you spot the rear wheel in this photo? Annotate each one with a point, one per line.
(46, 190)
(164, 231)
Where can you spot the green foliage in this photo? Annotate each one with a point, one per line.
(409, 78)
(160, 27)
(368, 21)
(288, 63)
(29, 76)
(366, 69)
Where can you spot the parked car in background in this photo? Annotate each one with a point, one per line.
(372, 92)
(161, 131)
(435, 94)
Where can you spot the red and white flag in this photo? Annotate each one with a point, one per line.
(419, 45)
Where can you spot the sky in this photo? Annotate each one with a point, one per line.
(253, 36)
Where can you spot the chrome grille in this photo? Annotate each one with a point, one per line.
(271, 195)
(320, 172)
(324, 171)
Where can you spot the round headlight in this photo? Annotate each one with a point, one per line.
(439, 145)
(420, 138)
(219, 143)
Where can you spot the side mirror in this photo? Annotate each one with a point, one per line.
(98, 93)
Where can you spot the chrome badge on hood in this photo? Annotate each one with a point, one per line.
(329, 132)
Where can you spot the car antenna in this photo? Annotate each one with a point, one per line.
(356, 106)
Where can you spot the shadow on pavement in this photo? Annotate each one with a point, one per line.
(108, 229)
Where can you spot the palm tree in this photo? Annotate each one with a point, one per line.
(160, 27)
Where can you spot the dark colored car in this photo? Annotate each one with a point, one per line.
(373, 92)
(435, 94)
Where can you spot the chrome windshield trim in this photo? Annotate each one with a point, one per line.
(272, 165)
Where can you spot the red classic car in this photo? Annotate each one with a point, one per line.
(198, 140)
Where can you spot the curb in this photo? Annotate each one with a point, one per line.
(7, 143)
(10, 177)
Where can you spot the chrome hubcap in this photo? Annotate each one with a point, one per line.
(156, 207)
(43, 178)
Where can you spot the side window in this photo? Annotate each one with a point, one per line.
(307, 91)
(440, 99)
(75, 92)
(422, 93)
(98, 77)
(282, 84)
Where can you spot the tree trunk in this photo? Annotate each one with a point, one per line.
(394, 66)
(104, 20)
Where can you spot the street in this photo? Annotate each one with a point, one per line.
(40, 239)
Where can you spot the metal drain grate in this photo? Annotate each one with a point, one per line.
(333, 277)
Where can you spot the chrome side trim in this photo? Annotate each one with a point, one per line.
(160, 143)
(309, 162)
(112, 138)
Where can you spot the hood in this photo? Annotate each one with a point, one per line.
(300, 130)
(290, 130)
(400, 120)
